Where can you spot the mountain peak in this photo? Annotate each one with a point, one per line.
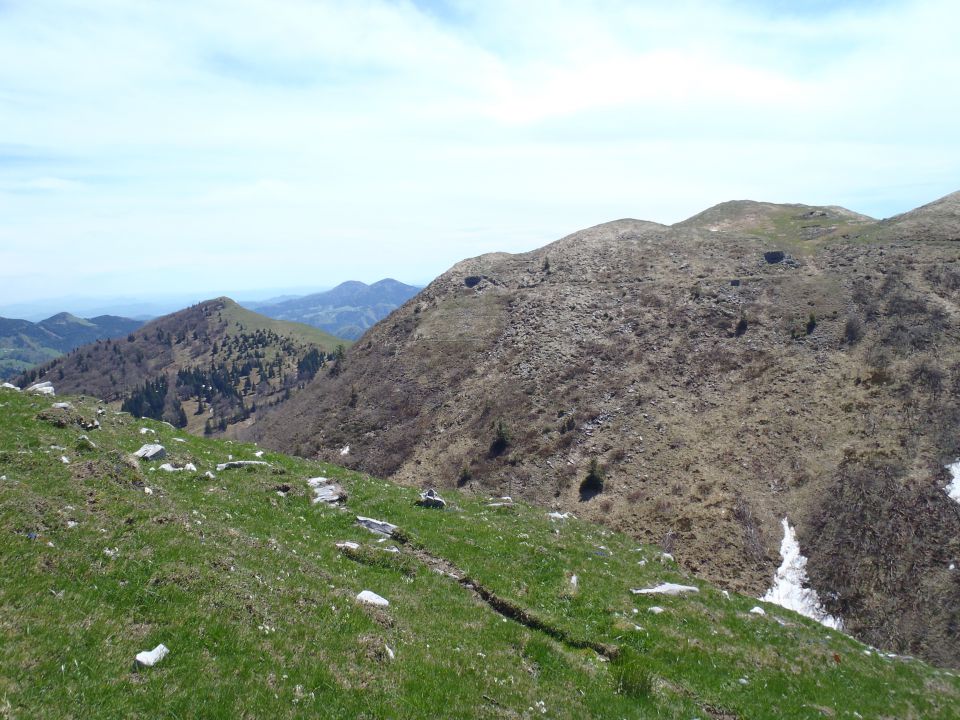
(765, 217)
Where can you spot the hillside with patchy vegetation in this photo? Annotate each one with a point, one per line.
(24, 343)
(218, 581)
(207, 368)
(693, 385)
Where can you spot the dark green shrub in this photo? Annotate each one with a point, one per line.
(742, 325)
(501, 438)
(593, 483)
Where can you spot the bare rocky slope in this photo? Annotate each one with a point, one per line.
(754, 362)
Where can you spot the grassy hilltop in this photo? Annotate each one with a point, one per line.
(105, 556)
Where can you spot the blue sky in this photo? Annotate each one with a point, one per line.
(206, 146)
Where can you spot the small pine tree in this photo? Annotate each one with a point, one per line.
(501, 438)
(593, 483)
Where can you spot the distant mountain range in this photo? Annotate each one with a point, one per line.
(347, 311)
(24, 343)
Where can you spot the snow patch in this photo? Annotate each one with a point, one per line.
(789, 583)
(953, 489)
(10, 386)
(559, 515)
(665, 589)
(757, 610)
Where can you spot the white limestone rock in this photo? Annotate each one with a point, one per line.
(381, 527)
(430, 499)
(326, 491)
(151, 452)
(371, 598)
(239, 464)
(149, 658)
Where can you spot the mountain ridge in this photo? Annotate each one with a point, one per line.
(717, 379)
(219, 364)
(24, 343)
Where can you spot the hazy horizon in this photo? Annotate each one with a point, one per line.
(193, 149)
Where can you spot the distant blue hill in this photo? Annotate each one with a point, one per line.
(24, 343)
(346, 311)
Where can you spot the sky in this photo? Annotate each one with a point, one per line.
(203, 146)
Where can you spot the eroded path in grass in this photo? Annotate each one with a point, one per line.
(506, 608)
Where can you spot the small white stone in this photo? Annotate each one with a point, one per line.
(655, 609)
(149, 658)
(151, 452)
(371, 598)
(757, 610)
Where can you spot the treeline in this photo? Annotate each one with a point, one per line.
(153, 400)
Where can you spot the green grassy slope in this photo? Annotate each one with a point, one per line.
(251, 322)
(240, 577)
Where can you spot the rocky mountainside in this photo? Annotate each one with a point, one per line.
(347, 311)
(24, 343)
(693, 385)
(208, 368)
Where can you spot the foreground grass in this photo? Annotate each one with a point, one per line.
(240, 577)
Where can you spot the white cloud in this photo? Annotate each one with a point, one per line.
(380, 137)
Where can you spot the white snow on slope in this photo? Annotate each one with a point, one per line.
(665, 589)
(953, 489)
(789, 589)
